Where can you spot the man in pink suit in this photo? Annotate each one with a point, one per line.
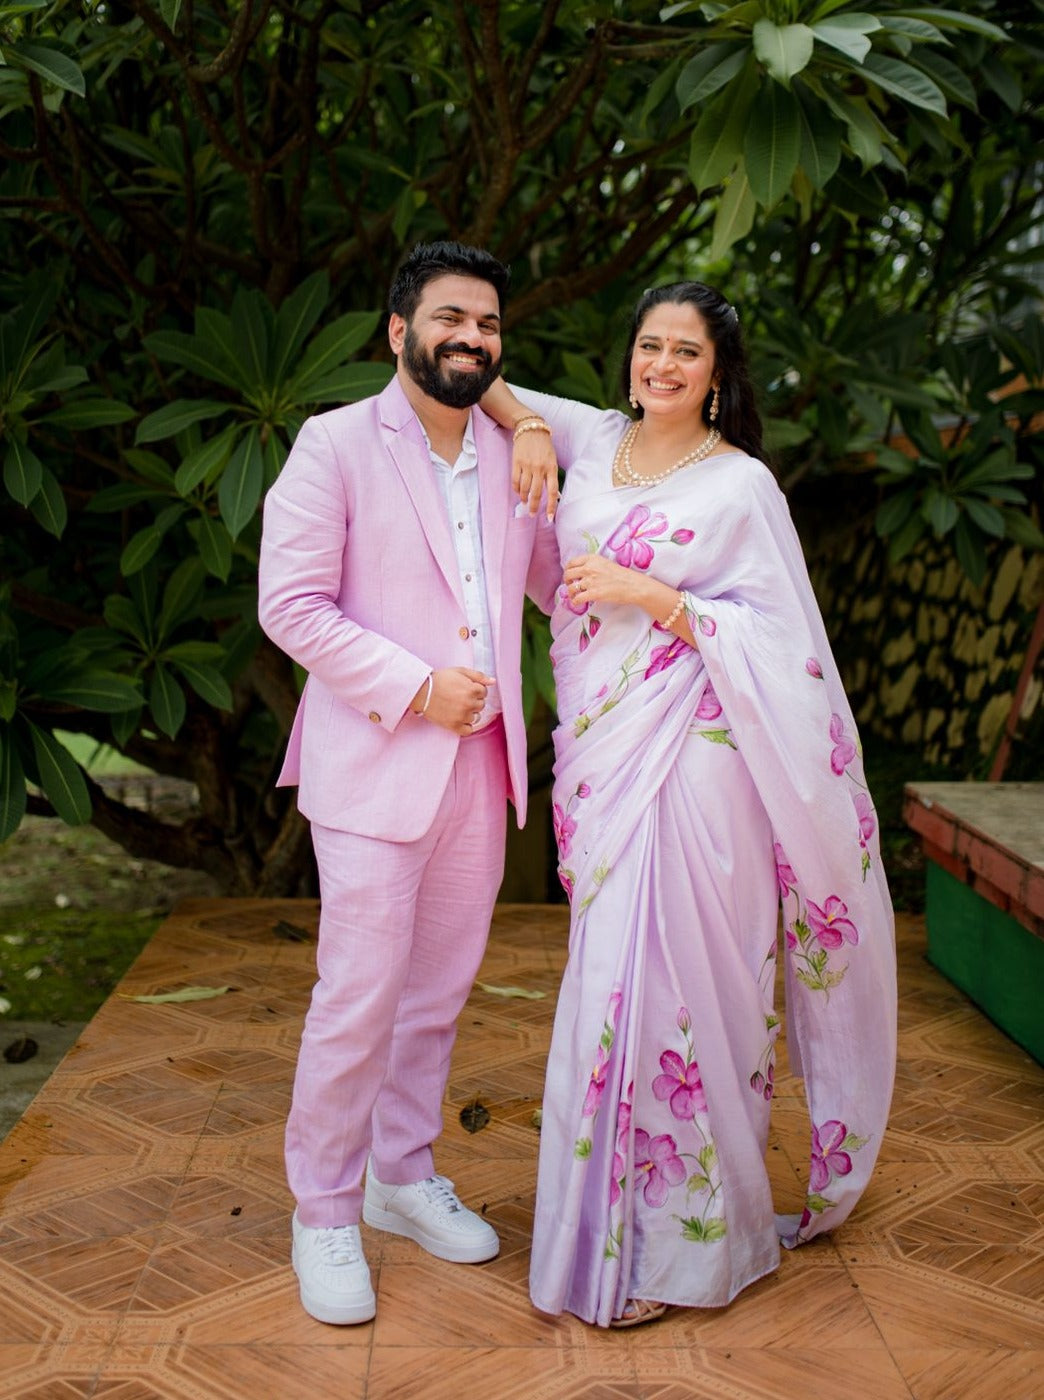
(393, 565)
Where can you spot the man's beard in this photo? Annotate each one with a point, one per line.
(453, 387)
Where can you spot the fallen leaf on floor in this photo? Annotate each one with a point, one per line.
(528, 993)
(474, 1117)
(182, 994)
(294, 933)
(20, 1050)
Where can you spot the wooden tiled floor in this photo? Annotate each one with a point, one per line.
(144, 1214)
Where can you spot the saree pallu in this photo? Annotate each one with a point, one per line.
(695, 789)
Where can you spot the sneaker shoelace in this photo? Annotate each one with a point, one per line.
(439, 1191)
(338, 1244)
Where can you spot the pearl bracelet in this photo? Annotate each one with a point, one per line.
(529, 425)
(672, 616)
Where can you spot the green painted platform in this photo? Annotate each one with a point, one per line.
(984, 907)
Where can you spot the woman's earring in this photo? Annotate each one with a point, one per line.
(714, 405)
(632, 398)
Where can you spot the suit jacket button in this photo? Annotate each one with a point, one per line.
(463, 634)
(375, 717)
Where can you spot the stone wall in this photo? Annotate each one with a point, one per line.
(930, 661)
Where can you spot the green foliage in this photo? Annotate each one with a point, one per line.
(200, 211)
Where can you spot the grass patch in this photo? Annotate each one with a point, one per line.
(61, 964)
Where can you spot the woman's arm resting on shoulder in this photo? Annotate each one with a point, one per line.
(534, 465)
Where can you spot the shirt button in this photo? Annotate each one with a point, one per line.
(467, 578)
(460, 524)
(375, 717)
(474, 631)
(463, 634)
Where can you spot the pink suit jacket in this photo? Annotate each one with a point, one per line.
(358, 582)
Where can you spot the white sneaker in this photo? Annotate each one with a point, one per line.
(430, 1213)
(331, 1269)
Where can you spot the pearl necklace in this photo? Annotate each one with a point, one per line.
(625, 473)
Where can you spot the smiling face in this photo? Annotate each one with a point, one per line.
(450, 347)
(673, 362)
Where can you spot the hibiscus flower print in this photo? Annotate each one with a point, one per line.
(710, 706)
(784, 873)
(828, 1159)
(865, 813)
(630, 540)
(831, 925)
(662, 657)
(681, 1085)
(844, 749)
(657, 1166)
(564, 828)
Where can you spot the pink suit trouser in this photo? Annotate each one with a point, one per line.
(402, 931)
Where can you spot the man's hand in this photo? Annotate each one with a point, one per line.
(458, 696)
(534, 469)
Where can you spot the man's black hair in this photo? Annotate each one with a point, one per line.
(430, 260)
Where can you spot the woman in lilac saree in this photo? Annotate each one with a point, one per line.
(707, 766)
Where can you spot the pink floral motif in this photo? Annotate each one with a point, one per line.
(827, 1157)
(814, 669)
(684, 1021)
(656, 1159)
(706, 624)
(865, 812)
(623, 1116)
(683, 536)
(565, 879)
(709, 706)
(662, 657)
(629, 541)
(564, 827)
(615, 1177)
(681, 1084)
(596, 1085)
(844, 750)
(565, 601)
(784, 873)
(830, 925)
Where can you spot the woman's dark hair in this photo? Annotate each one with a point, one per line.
(430, 260)
(738, 417)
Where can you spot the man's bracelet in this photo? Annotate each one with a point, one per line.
(427, 698)
(530, 425)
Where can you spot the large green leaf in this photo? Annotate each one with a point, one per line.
(139, 549)
(122, 496)
(717, 141)
(820, 150)
(204, 463)
(350, 383)
(905, 81)
(961, 19)
(89, 413)
(330, 348)
(772, 143)
(215, 546)
(61, 778)
(92, 689)
(12, 784)
(709, 71)
(48, 505)
(181, 596)
(208, 683)
(295, 320)
(49, 63)
(241, 484)
(203, 354)
(173, 417)
(784, 49)
(735, 216)
(847, 33)
(166, 701)
(23, 472)
(253, 326)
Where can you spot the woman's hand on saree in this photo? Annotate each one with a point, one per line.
(591, 578)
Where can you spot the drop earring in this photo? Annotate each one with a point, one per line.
(632, 398)
(714, 405)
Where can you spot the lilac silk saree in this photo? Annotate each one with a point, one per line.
(695, 789)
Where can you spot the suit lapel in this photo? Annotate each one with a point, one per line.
(407, 448)
(494, 472)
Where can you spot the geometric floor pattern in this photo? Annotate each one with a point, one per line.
(144, 1214)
